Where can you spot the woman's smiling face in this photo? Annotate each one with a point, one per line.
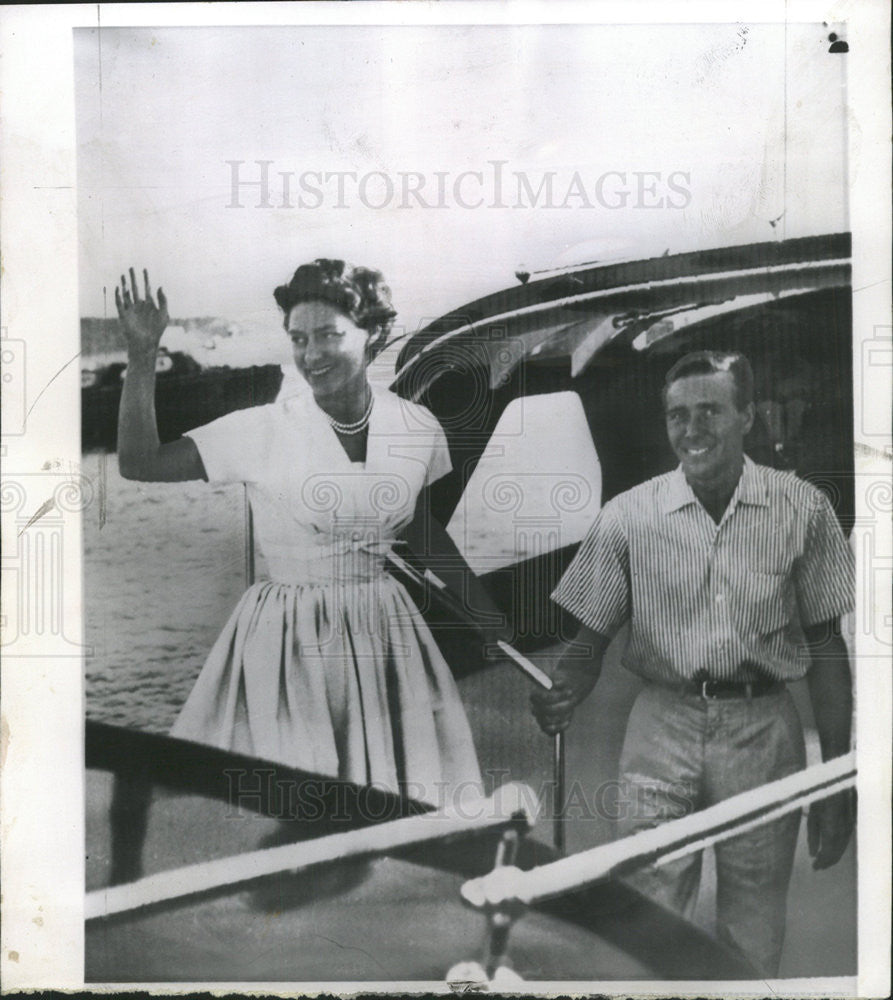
(328, 347)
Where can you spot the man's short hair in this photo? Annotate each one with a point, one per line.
(711, 363)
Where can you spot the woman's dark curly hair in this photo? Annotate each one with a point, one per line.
(359, 292)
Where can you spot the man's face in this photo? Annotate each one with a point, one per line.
(706, 429)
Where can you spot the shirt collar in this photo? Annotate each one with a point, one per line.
(751, 489)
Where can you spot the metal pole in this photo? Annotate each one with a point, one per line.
(560, 793)
(500, 919)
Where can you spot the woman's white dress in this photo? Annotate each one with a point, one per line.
(329, 666)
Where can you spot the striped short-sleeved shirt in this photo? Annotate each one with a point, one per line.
(728, 600)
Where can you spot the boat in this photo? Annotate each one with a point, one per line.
(162, 812)
(206, 866)
(606, 333)
(187, 395)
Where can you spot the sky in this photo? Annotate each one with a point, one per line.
(656, 138)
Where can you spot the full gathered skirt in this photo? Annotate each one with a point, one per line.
(342, 679)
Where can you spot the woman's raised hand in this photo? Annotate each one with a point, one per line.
(142, 322)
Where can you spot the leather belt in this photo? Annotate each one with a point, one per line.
(710, 689)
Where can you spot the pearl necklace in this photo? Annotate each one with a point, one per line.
(358, 425)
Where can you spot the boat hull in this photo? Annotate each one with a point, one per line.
(183, 401)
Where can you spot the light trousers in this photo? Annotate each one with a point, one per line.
(683, 753)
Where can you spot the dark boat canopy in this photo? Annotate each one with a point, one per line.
(577, 310)
(609, 332)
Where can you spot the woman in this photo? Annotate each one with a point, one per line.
(328, 666)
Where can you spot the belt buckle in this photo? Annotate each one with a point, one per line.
(747, 689)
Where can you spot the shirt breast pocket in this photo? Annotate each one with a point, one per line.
(765, 602)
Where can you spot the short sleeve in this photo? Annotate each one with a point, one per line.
(234, 447)
(595, 588)
(439, 463)
(825, 574)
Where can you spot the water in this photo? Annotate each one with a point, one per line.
(162, 571)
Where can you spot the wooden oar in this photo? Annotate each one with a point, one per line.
(666, 842)
(539, 677)
(543, 680)
(511, 803)
(527, 667)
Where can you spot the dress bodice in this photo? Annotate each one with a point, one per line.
(319, 518)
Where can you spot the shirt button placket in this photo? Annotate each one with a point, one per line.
(713, 719)
(720, 604)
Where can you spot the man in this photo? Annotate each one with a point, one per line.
(732, 578)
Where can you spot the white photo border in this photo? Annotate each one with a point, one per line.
(43, 710)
